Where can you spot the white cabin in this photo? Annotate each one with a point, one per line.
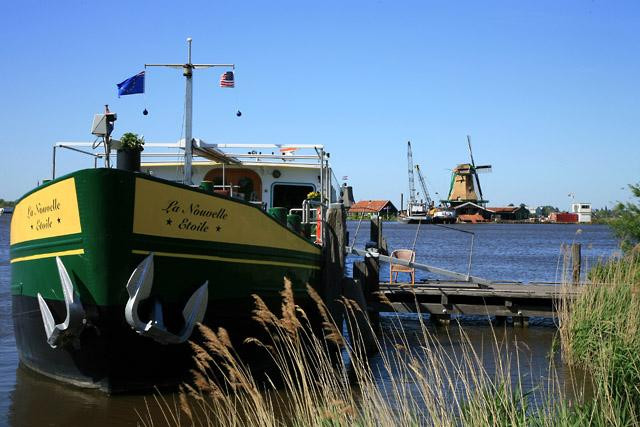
(583, 210)
(268, 175)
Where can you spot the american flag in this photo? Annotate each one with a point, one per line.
(226, 79)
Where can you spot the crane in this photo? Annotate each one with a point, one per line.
(412, 186)
(423, 184)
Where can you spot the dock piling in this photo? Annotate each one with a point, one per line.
(361, 333)
(576, 262)
(334, 236)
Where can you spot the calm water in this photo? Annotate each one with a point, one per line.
(527, 253)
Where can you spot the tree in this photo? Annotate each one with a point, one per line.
(545, 210)
(626, 223)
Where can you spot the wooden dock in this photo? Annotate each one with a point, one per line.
(459, 294)
(442, 299)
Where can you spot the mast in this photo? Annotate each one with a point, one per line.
(187, 72)
(412, 186)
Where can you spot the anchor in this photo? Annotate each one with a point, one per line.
(75, 321)
(139, 288)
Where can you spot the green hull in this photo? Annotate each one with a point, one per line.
(102, 223)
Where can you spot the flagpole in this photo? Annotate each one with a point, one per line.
(187, 72)
(188, 116)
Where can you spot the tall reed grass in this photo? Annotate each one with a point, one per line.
(419, 380)
(600, 333)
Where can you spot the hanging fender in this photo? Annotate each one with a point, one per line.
(75, 320)
(139, 289)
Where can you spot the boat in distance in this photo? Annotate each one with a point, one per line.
(111, 268)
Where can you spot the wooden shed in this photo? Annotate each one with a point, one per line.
(383, 208)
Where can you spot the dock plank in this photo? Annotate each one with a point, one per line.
(507, 299)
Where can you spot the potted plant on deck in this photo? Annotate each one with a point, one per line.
(314, 195)
(129, 152)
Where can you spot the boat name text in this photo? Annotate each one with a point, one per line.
(193, 216)
(35, 214)
(174, 206)
(41, 208)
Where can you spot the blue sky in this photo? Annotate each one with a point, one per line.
(549, 91)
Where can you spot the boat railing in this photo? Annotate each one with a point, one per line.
(308, 217)
(300, 154)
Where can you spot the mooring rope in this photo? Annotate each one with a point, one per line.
(415, 238)
(359, 223)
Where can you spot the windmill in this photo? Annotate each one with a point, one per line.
(465, 184)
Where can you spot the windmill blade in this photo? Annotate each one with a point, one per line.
(483, 169)
(470, 152)
(478, 182)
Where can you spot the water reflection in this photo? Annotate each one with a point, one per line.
(38, 400)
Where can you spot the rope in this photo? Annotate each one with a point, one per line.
(359, 223)
(415, 239)
(470, 255)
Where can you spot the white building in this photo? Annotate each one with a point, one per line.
(583, 210)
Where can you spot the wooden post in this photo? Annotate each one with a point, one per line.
(369, 271)
(440, 319)
(360, 275)
(576, 262)
(360, 329)
(522, 321)
(375, 235)
(333, 253)
(375, 230)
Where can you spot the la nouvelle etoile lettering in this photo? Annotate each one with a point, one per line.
(196, 216)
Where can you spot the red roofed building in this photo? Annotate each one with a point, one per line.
(510, 213)
(377, 207)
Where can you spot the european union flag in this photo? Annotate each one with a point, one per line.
(132, 85)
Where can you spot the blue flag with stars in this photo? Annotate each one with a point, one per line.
(132, 85)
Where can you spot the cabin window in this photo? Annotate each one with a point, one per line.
(290, 196)
(242, 183)
(585, 206)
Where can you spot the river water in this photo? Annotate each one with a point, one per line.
(510, 252)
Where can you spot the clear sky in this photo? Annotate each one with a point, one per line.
(548, 90)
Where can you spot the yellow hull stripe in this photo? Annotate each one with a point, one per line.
(49, 255)
(236, 260)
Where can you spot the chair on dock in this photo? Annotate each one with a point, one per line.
(405, 255)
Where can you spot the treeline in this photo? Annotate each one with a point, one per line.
(6, 203)
(625, 220)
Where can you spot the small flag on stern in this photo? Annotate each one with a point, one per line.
(132, 85)
(226, 79)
